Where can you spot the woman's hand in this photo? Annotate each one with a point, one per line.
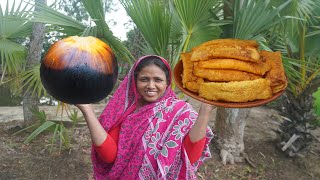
(84, 107)
(97, 132)
(204, 108)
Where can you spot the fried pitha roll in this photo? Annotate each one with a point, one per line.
(187, 74)
(189, 80)
(228, 41)
(194, 85)
(235, 51)
(276, 75)
(237, 91)
(278, 88)
(259, 68)
(223, 75)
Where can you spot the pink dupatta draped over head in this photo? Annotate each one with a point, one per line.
(150, 140)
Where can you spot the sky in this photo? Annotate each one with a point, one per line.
(120, 17)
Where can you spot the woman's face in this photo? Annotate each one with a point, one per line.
(151, 84)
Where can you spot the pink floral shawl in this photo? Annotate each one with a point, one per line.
(150, 141)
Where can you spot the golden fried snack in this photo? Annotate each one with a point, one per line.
(240, 91)
(187, 74)
(235, 51)
(233, 70)
(189, 80)
(259, 68)
(276, 75)
(194, 85)
(228, 41)
(223, 75)
(278, 88)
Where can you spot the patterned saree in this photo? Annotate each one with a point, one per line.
(151, 138)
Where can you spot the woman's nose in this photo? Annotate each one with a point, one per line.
(151, 84)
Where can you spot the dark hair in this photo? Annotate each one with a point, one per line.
(152, 60)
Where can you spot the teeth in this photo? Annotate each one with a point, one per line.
(150, 92)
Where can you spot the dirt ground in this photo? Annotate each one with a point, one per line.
(35, 161)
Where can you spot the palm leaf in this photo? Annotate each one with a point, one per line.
(12, 55)
(13, 24)
(312, 47)
(102, 30)
(45, 126)
(48, 15)
(299, 45)
(190, 24)
(304, 12)
(90, 31)
(153, 19)
(315, 32)
(253, 17)
(298, 82)
(174, 27)
(32, 81)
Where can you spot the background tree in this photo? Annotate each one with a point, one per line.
(298, 41)
(30, 100)
(73, 8)
(230, 122)
(135, 42)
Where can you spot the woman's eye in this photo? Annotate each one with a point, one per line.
(158, 80)
(143, 79)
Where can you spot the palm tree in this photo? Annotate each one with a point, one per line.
(15, 27)
(299, 46)
(30, 100)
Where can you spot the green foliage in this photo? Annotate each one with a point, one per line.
(252, 18)
(316, 102)
(31, 80)
(316, 122)
(192, 19)
(316, 95)
(172, 27)
(14, 25)
(50, 16)
(135, 43)
(153, 20)
(74, 8)
(74, 117)
(60, 134)
(8, 96)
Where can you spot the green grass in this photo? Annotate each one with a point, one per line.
(316, 95)
(316, 105)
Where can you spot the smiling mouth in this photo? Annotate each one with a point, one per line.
(151, 93)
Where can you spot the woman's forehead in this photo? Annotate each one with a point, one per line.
(151, 70)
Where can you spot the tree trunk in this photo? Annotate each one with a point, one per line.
(34, 56)
(229, 125)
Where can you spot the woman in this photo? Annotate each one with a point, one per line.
(145, 132)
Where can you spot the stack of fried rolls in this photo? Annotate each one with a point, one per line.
(233, 70)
